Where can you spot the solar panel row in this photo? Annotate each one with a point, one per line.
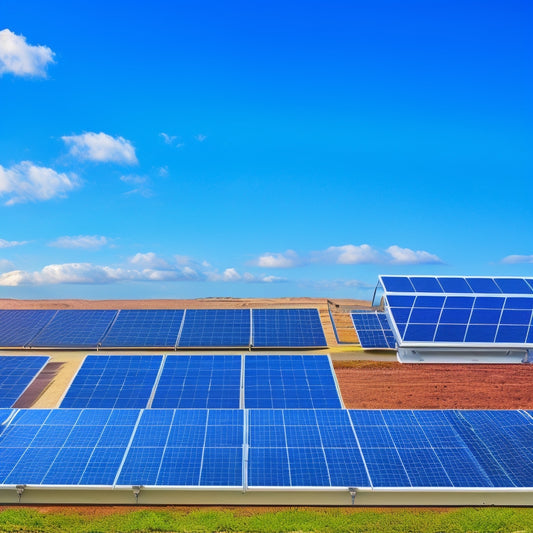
(287, 448)
(373, 329)
(203, 381)
(16, 374)
(162, 328)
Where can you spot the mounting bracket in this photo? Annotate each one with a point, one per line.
(20, 490)
(353, 493)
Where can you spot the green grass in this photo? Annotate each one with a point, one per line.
(482, 520)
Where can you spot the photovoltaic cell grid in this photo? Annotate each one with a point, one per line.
(199, 381)
(373, 329)
(113, 381)
(290, 381)
(75, 328)
(215, 327)
(16, 373)
(18, 327)
(287, 328)
(156, 328)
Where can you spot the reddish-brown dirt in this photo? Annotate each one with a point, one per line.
(376, 385)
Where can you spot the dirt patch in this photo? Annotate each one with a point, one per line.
(383, 385)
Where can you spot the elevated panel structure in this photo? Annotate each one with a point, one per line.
(113, 381)
(461, 313)
(16, 374)
(18, 327)
(146, 328)
(287, 328)
(74, 328)
(373, 329)
(290, 381)
(221, 328)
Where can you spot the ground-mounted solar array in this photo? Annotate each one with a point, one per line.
(237, 448)
(16, 373)
(162, 328)
(157, 328)
(461, 311)
(290, 328)
(373, 329)
(204, 381)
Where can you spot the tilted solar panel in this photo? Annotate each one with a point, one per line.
(16, 373)
(157, 328)
(75, 328)
(287, 328)
(373, 329)
(199, 381)
(290, 381)
(18, 327)
(113, 381)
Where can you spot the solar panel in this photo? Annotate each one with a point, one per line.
(373, 329)
(287, 328)
(215, 328)
(199, 381)
(53, 447)
(290, 381)
(18, 327)
(112, 381)
(74, 328)
(156, 328)
(16, 373)
(186, 448)
(296, 448)
(497, 315)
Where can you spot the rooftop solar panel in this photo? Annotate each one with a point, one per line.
(290, 381)
(199, 381)
(287, 328)
(373, 329)
(18, 327)
(157, 328)
(109, 381)
(16, 373)
(75, 328)
(215, 328)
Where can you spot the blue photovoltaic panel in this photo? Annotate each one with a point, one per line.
(289, 381)
(296, 448)
(67, 447)
(109, 381)
(16, 373)
(156, 328)
(18, 327)
(373, 329)
(186, 448)
(75, 328)
(215, 328)
(287, 328)
(199, 381)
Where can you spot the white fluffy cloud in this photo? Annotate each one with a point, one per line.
(516, 259)
(348, 254)
(81, 241)
(22, 59)
(287, 259)
(11, 244)
(26, 182)
(406, 256)
(148, 260)
(101, 147)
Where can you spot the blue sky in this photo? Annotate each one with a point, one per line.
(190, 149)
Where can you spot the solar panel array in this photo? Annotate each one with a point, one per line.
(166, 328)
(16, 373)
(203, 381)
(489, 311)
(267, 448)
(287, 328)
(373, 329)
(290, 381)
(155, 328)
